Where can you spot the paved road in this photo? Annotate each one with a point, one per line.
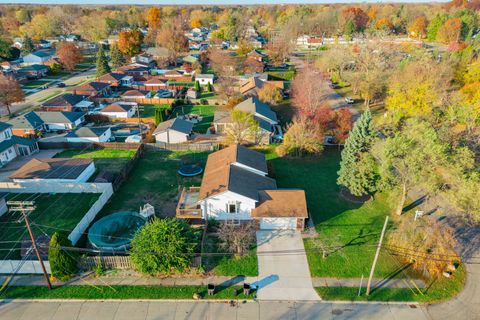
(166, 310)
(283, 270)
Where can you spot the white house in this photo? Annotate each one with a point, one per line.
(173, 131)
(12, 146)
(60, 120)
(235, 188)
(55, 170)
(204, 79)
(120, 109)
(38, 57)
(90, 134)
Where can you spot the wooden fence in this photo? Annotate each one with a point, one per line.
(107, 262)
(123, 175)
(162, 146)
(87, 145)
(137, 100)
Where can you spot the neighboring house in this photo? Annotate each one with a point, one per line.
(173, 131)
(120, 109)
(306, 41)
(270, 130)
(204, 79)
(235, 188)
(256, 55)
(90, 134)
(12, 146)
(144, 59)
(174, 74)
(61, 120)
(34, 71)
(27, 125)
(154, 82)
(67, 102)
(44, 44)
(135, 70)
(136, 94)
(39, 57)
(93, 89)
(250, 87)
(116, 79)
(55, 170)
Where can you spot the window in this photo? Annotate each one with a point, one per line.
(233, 207)
(7, 134)
(233, 222)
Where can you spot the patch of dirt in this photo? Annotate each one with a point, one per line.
(345, 194)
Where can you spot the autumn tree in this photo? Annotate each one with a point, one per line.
(243, 128)
(302, 138)
(129, 42)
(308, 91)
(384, 24)
(222, 63)
(434, 26)
(102, 66)
(225, 87)
(251, 65)
(357, 170)
(173, 39)
(27, 44)
(450, 31)
(342, 124)
(270, 94)
(10, 92)
(69, 55)
(418, 27)
(153, 18)
(355, 18)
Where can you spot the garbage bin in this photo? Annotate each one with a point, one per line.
(246, 289)
(210, 289)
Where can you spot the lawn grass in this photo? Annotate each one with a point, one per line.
(154, 180)
(206, 111)
(148, 111)
(111, 160)
(53, 212)
(287, 75)
(181, 83)
(440, 290)
(228, 265)
(32, 84)
(208, 95)
(50, 96)
(119, 292)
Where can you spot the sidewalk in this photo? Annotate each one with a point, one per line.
(133, 280)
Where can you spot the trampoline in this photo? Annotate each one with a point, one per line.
(115, 232)
(190, 170)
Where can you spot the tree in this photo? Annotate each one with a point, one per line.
(418, 27)
(226, 88)
(243, 128)
(63, 264)
(384, 24)
(343, 124)
(223, 64)
(353, 174)
(209, 87)
(27, 44)
(6, 52)
(302, 138)
(197, 86)
(237, 239)
(102, 66)
(434, 26)
(270, 94)
(158, 116)
(129, 42)
(173, 38)
(450, 31)
(116, 57)
(153, 18)
(357, 17)
(69, 55)
(308, 93)
(10, 92)
(251, 65)
(163, 246)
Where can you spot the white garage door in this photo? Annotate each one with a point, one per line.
(278, 223)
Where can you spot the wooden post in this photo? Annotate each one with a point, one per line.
(379, 246)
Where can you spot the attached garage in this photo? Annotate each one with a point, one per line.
(281, 209)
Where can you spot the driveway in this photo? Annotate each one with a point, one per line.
(283, 272)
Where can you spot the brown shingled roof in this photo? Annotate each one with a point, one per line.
(281, 203)
(55, 168)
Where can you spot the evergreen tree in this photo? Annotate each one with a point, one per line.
(102, 62)
(357, 167)
(27, 45)
(209, 87)
(116, 57)
(63, 264)
(197, 86)
(158, 116)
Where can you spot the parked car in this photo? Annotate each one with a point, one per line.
(61, 85)
(349, 100)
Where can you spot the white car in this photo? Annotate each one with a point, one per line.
(349, 100)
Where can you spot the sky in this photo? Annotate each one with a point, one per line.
(204, 2)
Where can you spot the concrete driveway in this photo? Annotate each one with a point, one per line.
(283, 272)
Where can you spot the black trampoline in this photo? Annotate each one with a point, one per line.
(190, 170)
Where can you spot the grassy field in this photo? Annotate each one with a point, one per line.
(32, 84)
(50, 96)
(208, 95)
(148, 111)
(228, 265)
(112, 160)
(154, 180)
(281, 75)
(119, 292)
(53, 212)
(206, 112)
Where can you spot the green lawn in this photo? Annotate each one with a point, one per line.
(205, 111)
(208, 95)
(154, 180)
(119, 292)
(281, 75)
(181, 83)
(149, 110)
(228, 265)
(50, 96)
(32, 84)
(112, 160)
(53, 212)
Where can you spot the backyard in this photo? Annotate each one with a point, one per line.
(206, 111)
(53, 212)
(147, 111)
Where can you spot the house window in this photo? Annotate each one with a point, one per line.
(233, 222)
(233, 207)
(9, 150)
(7, 134)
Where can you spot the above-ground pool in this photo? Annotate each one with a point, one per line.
(190, 170)
(115, 231)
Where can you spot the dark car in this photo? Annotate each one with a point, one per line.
(61, 85)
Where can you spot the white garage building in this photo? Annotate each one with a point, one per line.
(174, 131)
(235, 188)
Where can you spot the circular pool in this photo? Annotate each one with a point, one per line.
(190, 170)
(115, 231)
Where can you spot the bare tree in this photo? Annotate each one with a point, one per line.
(237, 239)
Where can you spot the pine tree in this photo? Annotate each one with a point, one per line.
(102, 62)
(209, 87)
(116, 57)
(197, 86)
(63, 264)
(158, 116)
(27, 45)
(357, 168)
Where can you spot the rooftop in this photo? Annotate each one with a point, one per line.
(55, 168)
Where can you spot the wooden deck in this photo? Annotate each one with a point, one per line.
(187, 207)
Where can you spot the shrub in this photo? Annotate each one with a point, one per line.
(203, 101)
(63, 264)
(163, 246)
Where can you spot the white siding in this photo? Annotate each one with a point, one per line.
(58, 126)
(171, 136)
(216, 206)
(8, 155)
(105, 137)
(6, 134)
(204, 81)
(116, 115)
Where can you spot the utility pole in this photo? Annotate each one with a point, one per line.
(26, 207)
(379, 246)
